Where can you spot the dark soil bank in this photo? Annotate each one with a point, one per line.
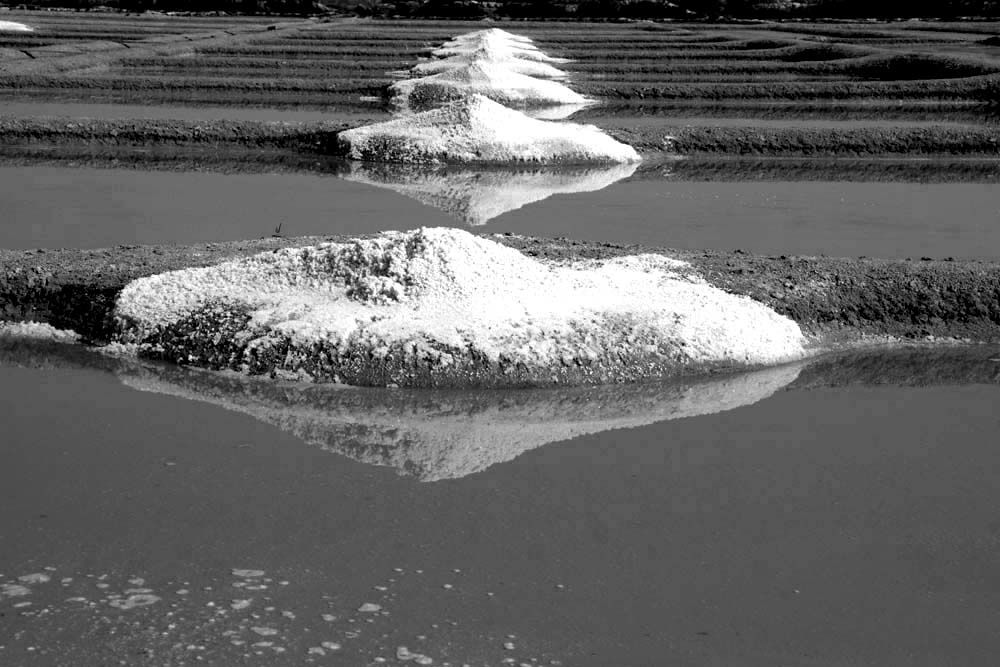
(834, 300)
(321, 137)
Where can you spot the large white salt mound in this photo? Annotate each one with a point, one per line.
(477, 196)
(10, 26)
(448, 435)
(491, 79)
(479, 130)
(443, 301)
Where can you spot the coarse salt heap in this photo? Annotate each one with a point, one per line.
(440, 307)
(487, 54)
(10, 26)
(515, 45)
(478, 130)
(498, 81)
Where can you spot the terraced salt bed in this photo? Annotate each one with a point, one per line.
(440, 307)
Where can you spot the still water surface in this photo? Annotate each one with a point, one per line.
(45, 206)
(821, 517)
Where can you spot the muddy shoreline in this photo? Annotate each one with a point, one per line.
(836, 301)
(320, 138)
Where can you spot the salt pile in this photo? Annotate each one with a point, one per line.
(477, 196)
(504, 67)
(441, 307)
(498, 81)
(454, 109)
(10, 26)
(478, 130)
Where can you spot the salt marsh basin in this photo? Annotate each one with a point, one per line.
(174, 498)
(760, 534)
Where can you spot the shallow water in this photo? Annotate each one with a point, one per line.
(46, 206)
(844, 519)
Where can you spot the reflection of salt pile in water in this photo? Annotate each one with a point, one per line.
(434, 435)
(10, 26)
(476, 197)
(440, 307)
(478, 130)
(463, 97)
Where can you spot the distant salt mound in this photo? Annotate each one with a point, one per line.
(477, 196)
(497, 81)
(440, 307)
(478, 130)
(502, 57)
(434, 436)
(10, 26)
(465, 45)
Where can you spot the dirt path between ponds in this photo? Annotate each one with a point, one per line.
(835, 301)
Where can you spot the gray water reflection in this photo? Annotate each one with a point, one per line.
(427, 434)
(476, 196)
(436, 435)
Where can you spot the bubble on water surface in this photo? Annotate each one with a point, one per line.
(247, 574)
(35, 578)
(370, 608)
(133, 601)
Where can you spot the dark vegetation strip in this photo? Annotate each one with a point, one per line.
(797, 141)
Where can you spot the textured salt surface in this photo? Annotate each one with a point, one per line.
(447, 435)
(488, 54)
(11, 26)
(443, 307)
(501, 82)
(453, 110)
(478, 130)
(478, 196)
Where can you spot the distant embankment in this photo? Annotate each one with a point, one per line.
(833, 300)
(321, 137)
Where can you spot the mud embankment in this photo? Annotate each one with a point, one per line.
(321, 138)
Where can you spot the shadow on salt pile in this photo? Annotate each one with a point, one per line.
(476, 196)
